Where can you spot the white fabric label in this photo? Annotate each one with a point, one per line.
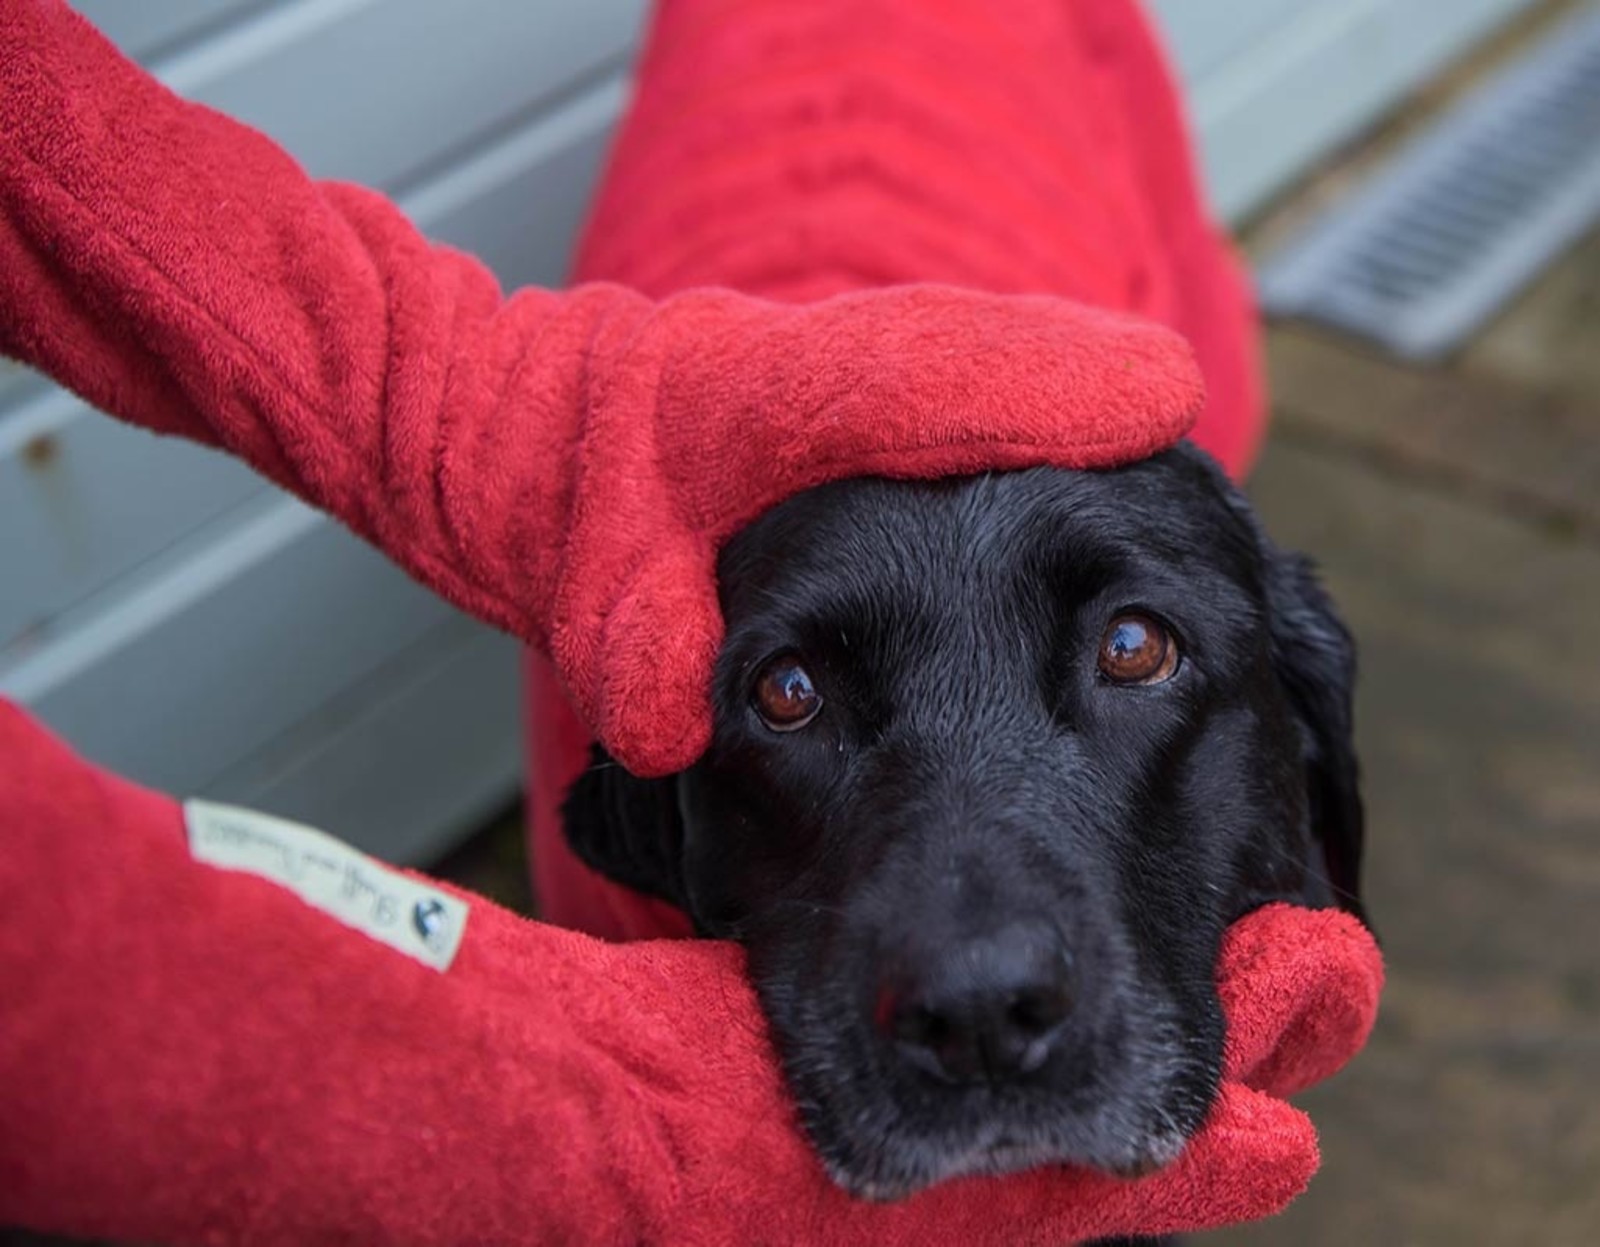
(411, 917)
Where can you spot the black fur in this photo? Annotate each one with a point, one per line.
(972, 775)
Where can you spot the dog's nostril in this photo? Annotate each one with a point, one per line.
(1035, 1012)
(920, 1025)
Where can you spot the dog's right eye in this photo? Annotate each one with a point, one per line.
(784, 695)
(1137, 649)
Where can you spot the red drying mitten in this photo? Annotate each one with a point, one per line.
(796, 151)
(561, 464)
(193, 1055)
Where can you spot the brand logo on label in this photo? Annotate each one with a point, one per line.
(431, 920)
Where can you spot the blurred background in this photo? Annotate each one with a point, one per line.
(1419, 185)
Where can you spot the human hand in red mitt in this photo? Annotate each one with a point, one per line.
(192, 1055)
(563, 465)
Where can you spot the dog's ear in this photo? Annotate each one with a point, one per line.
(627, 828)
(1316, 661)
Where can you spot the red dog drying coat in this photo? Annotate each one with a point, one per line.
(802, 151)
(190, 1054)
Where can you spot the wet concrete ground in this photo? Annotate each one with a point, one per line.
(1455, 511)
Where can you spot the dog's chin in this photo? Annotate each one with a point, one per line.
(882, 1142)
(898, 1164)
(1137, 1089)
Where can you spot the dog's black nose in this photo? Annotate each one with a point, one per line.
(989, 1008)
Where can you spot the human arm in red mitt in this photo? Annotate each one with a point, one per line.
(191, 1055)
(562, 464)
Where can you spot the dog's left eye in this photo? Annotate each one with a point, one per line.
(1137, 649)
(784, 695)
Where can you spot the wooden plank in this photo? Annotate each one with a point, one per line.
(406, 761)
(337, 81)
(1534, 450)
(225, 642)
(145, 28)
(519, 203)
(1201, 38)
(84, 499)
(17, 384)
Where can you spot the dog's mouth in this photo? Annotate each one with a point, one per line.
(1131, 1071)
(1008, 1154)
(885, 1135)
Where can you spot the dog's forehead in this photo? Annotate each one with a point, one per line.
(921, 540)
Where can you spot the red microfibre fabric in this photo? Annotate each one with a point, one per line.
(194, 1056)
(190, 1055)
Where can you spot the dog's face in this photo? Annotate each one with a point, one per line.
(995, 764)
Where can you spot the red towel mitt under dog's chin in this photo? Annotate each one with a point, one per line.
(193, 1055)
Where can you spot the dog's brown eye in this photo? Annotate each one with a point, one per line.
(784, 696)
(1137, 650)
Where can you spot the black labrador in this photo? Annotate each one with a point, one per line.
(996, 761)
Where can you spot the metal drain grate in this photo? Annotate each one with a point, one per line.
(1472, 210)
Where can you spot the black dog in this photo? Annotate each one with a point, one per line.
(995, 763)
